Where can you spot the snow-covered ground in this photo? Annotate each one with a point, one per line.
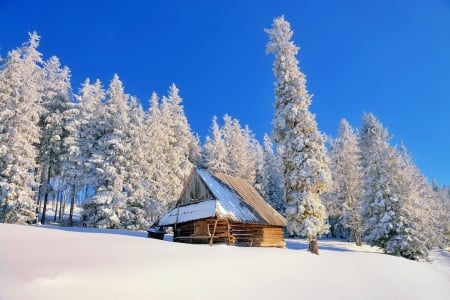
(48, 262)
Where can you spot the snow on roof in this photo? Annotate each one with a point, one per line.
(196, 211)
(249, 195)
(235, 200)
(228, 203)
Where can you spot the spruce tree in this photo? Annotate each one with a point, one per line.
(272, 187)
(55, 101)
(215, 154)
(306, 174)
(154, 159)
(180, 138)
(387, 197)
(346, 174)
(109, 159)
(134, 216)
(20, 94)
(90, 129)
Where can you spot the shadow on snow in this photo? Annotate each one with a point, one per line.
(142, 234)
(300, 244)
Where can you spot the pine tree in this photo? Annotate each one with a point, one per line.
(103, 210)
(55, 100)
(20, 95)
(304, 158)
(71, 167)
(387, 197)
(154, 157)
(272, 187)
(182, 139)
(91, 128)
(241, 149)
(346, 174)
(134, 216)
(215, 153)
(232, 150)
(425, 204)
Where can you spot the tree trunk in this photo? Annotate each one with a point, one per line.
(357, 236)
(85, 193)
(37, 193)
(41, 186)
(56, 210)
(62, 208)
(313, 246)
(72, 203)
(44, 208)
(46, 196)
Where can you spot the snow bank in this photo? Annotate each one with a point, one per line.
(55, 263)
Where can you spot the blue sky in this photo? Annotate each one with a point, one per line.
(391, 58)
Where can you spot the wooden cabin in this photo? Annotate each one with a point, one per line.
(220, 208)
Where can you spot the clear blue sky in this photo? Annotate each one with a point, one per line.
(391, 58)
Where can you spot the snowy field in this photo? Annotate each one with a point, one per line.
(77, 263)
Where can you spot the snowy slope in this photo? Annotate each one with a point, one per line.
(58, 263)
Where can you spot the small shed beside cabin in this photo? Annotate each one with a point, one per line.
(221, 208)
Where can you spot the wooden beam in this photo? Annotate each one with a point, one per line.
(214, 232)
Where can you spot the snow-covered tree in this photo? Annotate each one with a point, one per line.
(91, 128)
(110, 161)
(425, 204)
(134, 216)
(271, 186)
(241, 149)
(172, 148)
(387, 197)
(255, 157)
(346, 188)
(232, 150)
(295, 130)
(20, 95)
(180, 138)
(55, 101)
(71, 167)
(236, 145)
(215, 154)
(195, 151)
(153, 145)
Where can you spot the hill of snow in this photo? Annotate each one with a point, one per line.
(51, 262)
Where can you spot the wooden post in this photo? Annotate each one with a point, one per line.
(214, 232)
(313, 247)
(228, 232)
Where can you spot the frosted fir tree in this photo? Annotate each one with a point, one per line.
(241, 149)
(295, 130)
(424, 203)
(71, 167)
(154, 158)
(255, 157)
(171, 150)
(387, 197)
(195, 151)
(215, 153)
(232, 150)
(347, 182)
(110, 161)
(134, 216)
(90, 129)
(272, 187)
(235, 144)
(20, 95)
(175, 144)
(55, 100)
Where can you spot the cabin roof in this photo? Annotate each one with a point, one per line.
(235, 199)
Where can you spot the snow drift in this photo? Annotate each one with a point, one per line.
(78, 263)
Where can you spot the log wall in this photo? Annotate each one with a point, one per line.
(239, 234)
